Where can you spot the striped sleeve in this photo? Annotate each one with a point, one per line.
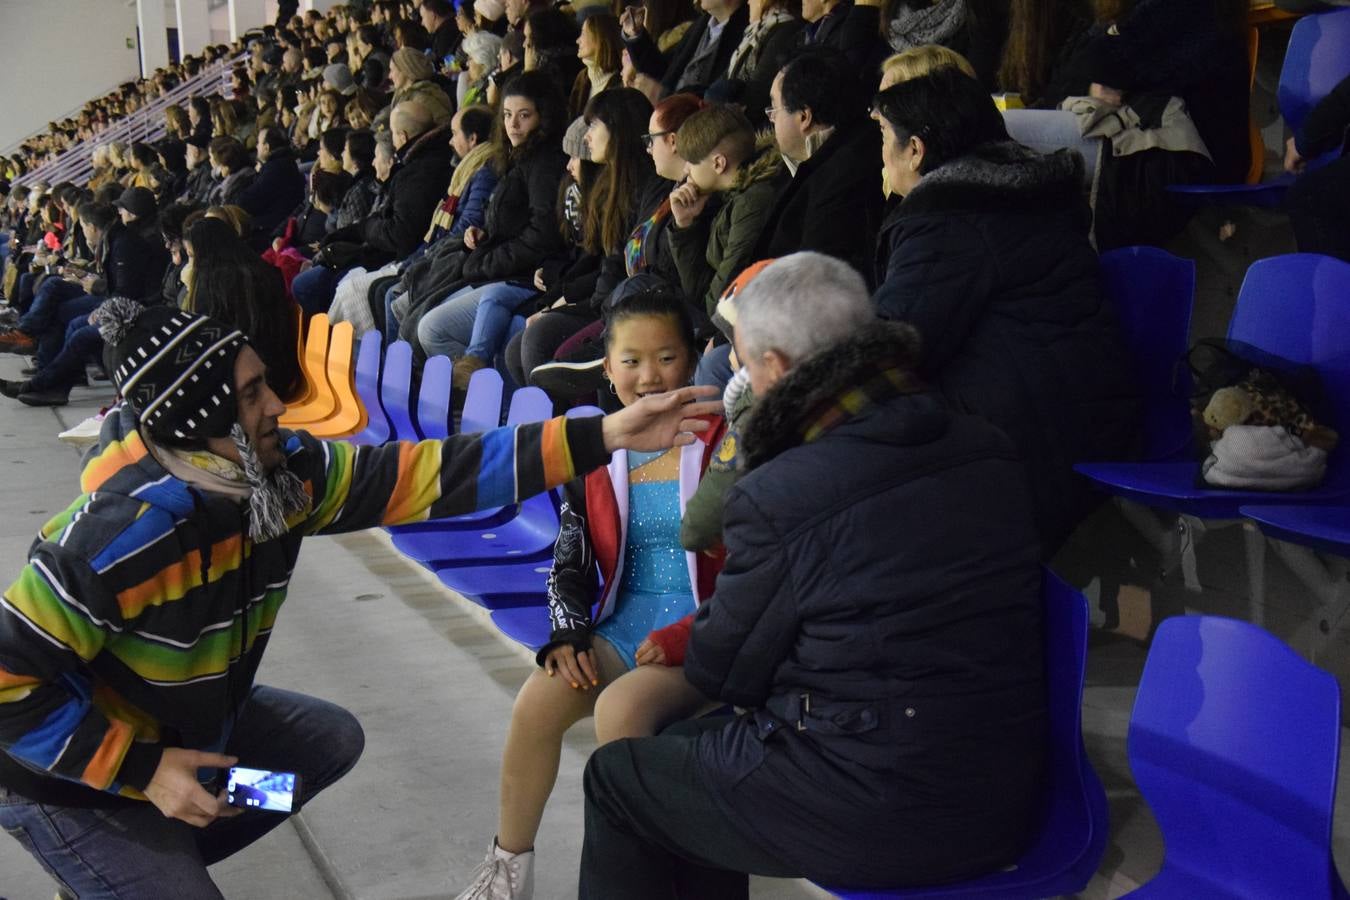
(53, 620)
(354, 488)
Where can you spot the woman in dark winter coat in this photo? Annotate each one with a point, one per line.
(878, 615)
(988, 257)
(358, 161)
(520, 230)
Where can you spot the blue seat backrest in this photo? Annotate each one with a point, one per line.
(529, 404)
(1234, 742)
(1298, 307)
(1154, 294)
(433, 400)
(368, 360)
(395, 390)
(482, 402)
(1317, 59)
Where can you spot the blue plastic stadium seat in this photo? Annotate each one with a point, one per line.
(433, 400)
(483, 403)
(395, 391)
(1234, 742)
(377, 429)
(1317, 59)
(501, 584)
(1325, 528)
(1296, 307)
(1068, 848)
(527, 625)
(1154, 293)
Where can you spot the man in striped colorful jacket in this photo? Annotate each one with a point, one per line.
(130, 641)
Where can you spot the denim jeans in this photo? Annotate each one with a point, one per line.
(473, 320)
(314, 288)
(82, 344)
(135, 852)
(50, 295)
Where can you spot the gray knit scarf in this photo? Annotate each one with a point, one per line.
(276, 495)
(934, 24)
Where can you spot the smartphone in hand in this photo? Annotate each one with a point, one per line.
(261, 789)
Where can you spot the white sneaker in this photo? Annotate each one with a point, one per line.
(85, 433)
(502, 876)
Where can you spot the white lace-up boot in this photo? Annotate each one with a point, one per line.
(502, 876)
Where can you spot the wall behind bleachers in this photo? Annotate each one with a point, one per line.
(57, 54)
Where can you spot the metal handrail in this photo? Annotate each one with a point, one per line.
(75, 164)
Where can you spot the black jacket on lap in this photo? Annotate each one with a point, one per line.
(396, 230)
(521, 220)
(879, 612)
(988, 258)
(833, 204)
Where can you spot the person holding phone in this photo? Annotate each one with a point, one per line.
(130, 641)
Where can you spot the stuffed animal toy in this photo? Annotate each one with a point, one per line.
(1259, 399)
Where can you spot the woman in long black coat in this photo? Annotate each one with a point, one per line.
(987, 255)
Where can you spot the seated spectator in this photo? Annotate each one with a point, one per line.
(177, 125)
(847, 27)
(919, 61)
(987, 257)
(146, 172)
(234, 170)
(520, 230)
(551, 46)
(895, 730)
(833, 202)
(199, 117)
(278, 188)
(125, 265)
(721, 158)
(976, 30)
(395, 230)
(438, 18)
(173, 159)
(411, 74)
(774, 31)
(701, 56)
(482, 50)
(649, 582)
(1317, 202)
(599, 45)
(51, 383)
(647, 251)
(139, 212)
(358, 161)
(1142, 52)
(201, 180)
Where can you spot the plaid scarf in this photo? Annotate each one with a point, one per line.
(884, 386)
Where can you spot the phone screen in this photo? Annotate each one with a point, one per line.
(261, 789)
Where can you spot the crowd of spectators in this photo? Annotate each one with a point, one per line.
(587, 197)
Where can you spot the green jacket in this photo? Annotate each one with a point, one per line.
(725, 243)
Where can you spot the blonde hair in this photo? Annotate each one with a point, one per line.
(917, 62)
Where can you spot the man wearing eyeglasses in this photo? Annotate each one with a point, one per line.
(832, 204)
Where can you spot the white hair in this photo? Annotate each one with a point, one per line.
(800, 304)
(482, 47)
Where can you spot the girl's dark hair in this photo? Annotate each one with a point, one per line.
(333, 140)
(361, 145)
(663, 15)
(552, 29)
(948, 110)
(609, 208)
(99, 215)
(543, 92)
(231, 283)
(202, 105)
(657, 300)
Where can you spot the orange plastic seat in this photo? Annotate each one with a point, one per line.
(350, 415)
(322, 403)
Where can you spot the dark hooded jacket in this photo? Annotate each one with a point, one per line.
(879, 613)
(988, 258)
(278, 189)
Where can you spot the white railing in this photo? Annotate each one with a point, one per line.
(146, 124)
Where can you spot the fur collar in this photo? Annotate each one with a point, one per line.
(1000, 176)
(779, 418)
(766, 165)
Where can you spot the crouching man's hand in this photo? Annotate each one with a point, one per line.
(175, 791)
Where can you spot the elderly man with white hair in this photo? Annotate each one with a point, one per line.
(878, 620)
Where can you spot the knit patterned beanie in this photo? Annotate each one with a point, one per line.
(175, 368)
